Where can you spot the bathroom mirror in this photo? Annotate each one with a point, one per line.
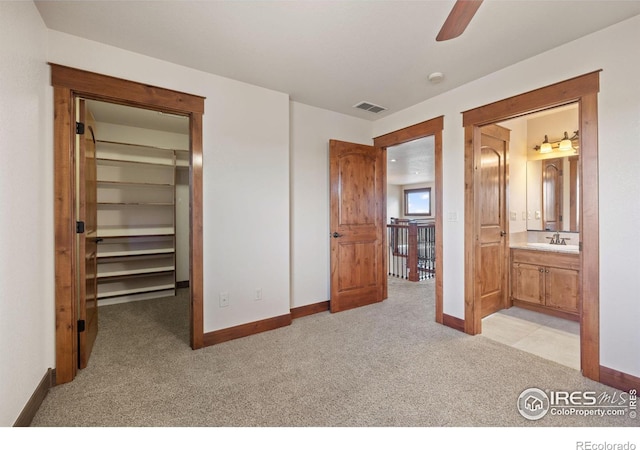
(553, 202)
(552, 178)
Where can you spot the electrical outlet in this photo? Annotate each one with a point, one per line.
(224, 299)
(258, 294)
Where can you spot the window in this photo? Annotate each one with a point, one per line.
(417, 202)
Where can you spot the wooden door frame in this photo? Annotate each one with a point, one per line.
(69, 83)
(433, 128)
(582, 90)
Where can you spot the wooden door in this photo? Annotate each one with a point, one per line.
(491, 267)
(552, 194)
(357, 177)
(87, 240)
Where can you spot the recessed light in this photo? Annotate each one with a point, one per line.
(436, 77)
(393, 160)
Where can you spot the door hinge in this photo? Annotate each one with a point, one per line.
(79, 128)
(80, 227)
(80, 326)
(580, 246)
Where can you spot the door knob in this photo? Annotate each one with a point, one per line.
(503, 233)
(336, 234)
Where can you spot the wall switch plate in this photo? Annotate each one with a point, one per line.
(453, 216)
(537, 214)
(513, 215)
(258, 294)
(224, 299)
(524, 215)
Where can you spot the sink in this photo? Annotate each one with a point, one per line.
(570, 248)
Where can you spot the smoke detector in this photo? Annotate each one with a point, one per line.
(436, 77)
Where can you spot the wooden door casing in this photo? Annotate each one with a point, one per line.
(357, 222)
(583, 90)
(68, 83)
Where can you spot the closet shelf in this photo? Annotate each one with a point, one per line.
(157, 230)
(131, 272)
(119, 253)
(116, 162)
(135, 204)
(136, 199)
(141, 146)
(122, 292)
(134, 184)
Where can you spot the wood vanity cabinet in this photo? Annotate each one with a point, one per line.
(546, 282)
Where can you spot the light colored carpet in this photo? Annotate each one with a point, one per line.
(384, 365)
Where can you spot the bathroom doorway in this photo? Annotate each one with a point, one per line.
(582, 91)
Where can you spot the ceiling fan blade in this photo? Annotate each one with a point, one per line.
(459, 17)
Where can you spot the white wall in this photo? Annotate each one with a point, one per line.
(245, 177)
(611, 50)
(517, 195)
(27, 347)
(311, 130)
(394, 201)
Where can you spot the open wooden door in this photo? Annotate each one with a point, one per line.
(87, 240)
(358, 271)
(492, 267)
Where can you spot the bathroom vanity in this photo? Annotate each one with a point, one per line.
(545, 278)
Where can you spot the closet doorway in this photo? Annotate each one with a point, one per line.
(70, 85)
(139, 234)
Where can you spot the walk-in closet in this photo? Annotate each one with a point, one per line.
(142, 178)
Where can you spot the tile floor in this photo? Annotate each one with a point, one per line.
(546, 336)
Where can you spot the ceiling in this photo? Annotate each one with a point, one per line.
(411, 162)
(335, 54)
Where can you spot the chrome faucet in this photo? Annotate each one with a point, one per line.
(557, 240)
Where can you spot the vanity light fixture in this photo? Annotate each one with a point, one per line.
(546, 146)
(564, 144)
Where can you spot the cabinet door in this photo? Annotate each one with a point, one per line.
(527, 283)
(561, 288)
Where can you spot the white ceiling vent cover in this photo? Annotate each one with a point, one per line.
(368, 106)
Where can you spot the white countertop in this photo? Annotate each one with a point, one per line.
(545, 247)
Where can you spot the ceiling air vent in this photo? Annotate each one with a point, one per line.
(368, 106)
